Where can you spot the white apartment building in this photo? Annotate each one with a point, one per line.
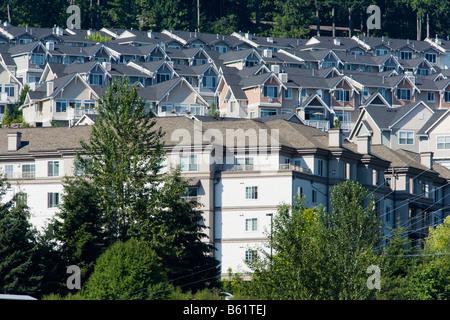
(240, 170)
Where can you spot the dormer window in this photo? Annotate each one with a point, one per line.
(270, 92)
(37, 58)
(404, 94)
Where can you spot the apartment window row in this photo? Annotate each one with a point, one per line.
(61, 104)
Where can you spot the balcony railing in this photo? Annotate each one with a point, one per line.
(269, 167)
(20, 175)
(323, 125)
(77, 113)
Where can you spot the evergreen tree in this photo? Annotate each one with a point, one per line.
(20, 271)
(122, 158)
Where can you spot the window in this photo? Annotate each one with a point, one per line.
(221, 49)
(209, 81)
(181, 107)
(195, 109)
(405, 55)
(28, 171)
(9, 89)
(89, 104)
(22, 198)
(431, 57)
(251, 224)
(245, 164)
(191, 192)
(430, 96)
(61, 105)
(251, 192)
(96, 79)
(388, 213)
(52, 199)
(75, 103)
(320, 168)
(9, 171)
(250, 255)
(443, 142)
(447, 96)
(268, 112)
(342, 95)
(233, 106)
(288, 94)
(166, 107)
(406, 137)
(270, 92)
(188, 163)
(380, 52)
(161, 77)
(314, 196)
(404, 94)
(53, 168)
(37, 58)
(347, 171)
(375, 177)
(25, 41)
(33, 78)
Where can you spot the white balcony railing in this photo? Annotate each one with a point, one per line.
(347, 126)
(323, 125)
(269, 167)
(77, 113)
(20, 175)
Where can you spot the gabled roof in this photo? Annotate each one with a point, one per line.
(435, 119)
(314, 100)
(158, 92)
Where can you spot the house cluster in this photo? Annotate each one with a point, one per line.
(373, 110)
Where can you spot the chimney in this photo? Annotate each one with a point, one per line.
(14, 140)
(335, 137)
(426, 159)
(150, 34)
(50, 45)
(363, 144)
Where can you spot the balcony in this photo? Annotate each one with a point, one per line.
(20, 175)
(323, 125)
(269, 167)
(77, 113)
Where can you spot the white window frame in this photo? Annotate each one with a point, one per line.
(251, 224)
(53, 168)
(251, 192)
(401, 92)
(270, 92)
(406, 138)
(52, 199)
(189, 163)
(444, 143)
(61, 101)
